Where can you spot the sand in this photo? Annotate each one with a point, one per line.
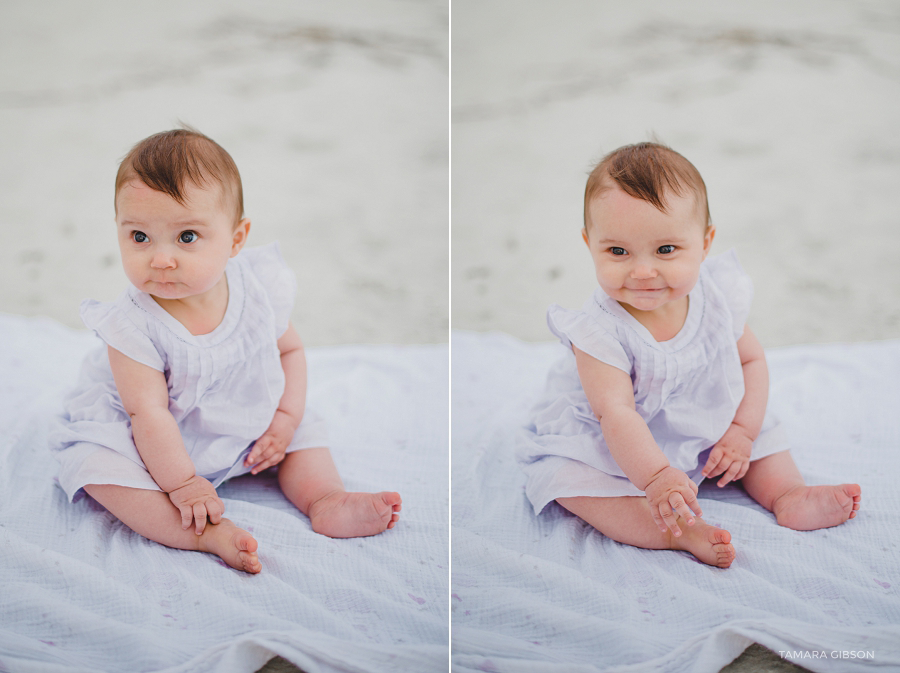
(788, 109)
(336, 114)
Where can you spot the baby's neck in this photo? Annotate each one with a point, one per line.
(200, 314)
(663, 323)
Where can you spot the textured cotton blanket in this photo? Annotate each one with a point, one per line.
(79, 591)
(547, 593)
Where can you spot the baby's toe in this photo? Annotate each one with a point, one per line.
(250, 562)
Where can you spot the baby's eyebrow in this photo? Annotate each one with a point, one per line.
(190, 223)
(174, 225)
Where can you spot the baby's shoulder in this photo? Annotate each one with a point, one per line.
(594, 329)
(725, 272)
(127, 326)
(729, 290)
(269, 280)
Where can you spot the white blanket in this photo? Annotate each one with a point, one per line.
(531, 593)
(79, 591)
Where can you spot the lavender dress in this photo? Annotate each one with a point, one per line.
(686, 389)
(224, 387)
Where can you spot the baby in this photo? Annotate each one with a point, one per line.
(201, 376)
(665, 385)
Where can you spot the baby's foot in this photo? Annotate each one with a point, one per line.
(814, 507)
(341, 514)
(708, 543)
(233, 545)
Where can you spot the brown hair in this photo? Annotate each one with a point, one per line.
(646, 171)
(166, 161)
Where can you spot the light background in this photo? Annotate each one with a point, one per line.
(790, 110)
(336, 114)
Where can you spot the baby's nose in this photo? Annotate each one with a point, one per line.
(643, 271)
(162, 260)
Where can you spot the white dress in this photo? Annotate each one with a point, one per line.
(224, 387)
(686, 389)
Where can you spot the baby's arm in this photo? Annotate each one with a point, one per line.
(731, 454)
(145, 396)
(610, 393)
(269, 449)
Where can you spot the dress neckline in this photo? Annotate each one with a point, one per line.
(223, 329)
(681, 339)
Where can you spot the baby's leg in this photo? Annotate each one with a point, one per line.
(627, 519)
(776, 484)
(152, 514)
(311, 481)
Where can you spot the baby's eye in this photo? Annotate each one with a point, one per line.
(617, 251)
(139, 237)
(187, 237)
(666, 249)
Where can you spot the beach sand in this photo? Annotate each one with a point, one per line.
(335, 113)
(788, 109)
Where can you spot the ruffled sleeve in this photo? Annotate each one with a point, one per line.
(584, 331)
(729, 277)
(113, 325)
(277, 280)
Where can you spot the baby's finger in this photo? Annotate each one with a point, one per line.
(199, 518)
(267, 463)
(670, 519)
(694, 504)
(730, 474)
(259, 463)
(255, 453)
(678, 504)
(269, 456)
(715, 457)
(657, 519)
(215, 509)
(187, 515)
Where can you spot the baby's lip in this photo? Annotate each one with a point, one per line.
(646, 289)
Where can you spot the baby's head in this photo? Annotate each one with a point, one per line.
(647, 225)
(172, 161)
(179, 214)
(650, 172)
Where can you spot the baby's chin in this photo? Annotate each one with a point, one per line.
(165, 290)
(645, 303)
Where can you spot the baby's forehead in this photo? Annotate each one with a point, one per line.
(614, 197)
(622, 216)
(210, 191)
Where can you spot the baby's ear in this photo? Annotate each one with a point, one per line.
(584, 235)
(239, 236)
(708, 239)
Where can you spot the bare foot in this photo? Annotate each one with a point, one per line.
(814, 507)
(233, 545)
(341, 514)
(708, 543)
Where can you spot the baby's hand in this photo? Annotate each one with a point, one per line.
(197, 500)
(269, 449)
(730, 455)
(671, 491)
